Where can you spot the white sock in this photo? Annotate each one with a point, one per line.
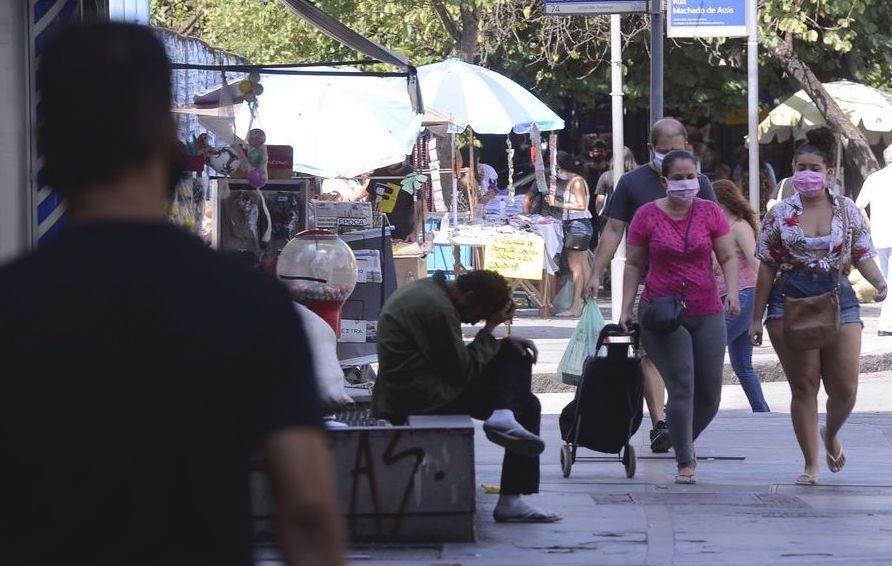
(502, 418)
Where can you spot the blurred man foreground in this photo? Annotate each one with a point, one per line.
(141, 371)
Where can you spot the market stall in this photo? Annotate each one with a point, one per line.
(486, 102)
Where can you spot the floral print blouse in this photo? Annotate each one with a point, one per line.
(782, 241)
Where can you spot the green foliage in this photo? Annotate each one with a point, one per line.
(565, 61)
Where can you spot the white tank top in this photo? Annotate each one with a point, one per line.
(570, 198)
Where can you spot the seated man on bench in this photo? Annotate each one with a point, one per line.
(426, 368)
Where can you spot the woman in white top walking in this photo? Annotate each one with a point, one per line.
(572, 199)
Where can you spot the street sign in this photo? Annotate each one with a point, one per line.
(706, 18)
(593, 7)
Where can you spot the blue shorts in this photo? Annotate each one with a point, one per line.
(810, 283)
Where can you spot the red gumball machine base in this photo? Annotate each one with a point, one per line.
(329, 311)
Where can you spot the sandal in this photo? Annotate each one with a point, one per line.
(834, 463)
(807, 479)
(685, 479)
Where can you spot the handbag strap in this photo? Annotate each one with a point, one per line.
(846, 243)
(687, 231)
(846, 238)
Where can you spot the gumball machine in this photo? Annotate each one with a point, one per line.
(320, 271)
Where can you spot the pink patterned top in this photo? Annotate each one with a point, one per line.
(782, 242)
(670, 266)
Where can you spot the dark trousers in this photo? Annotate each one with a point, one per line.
(506, 384)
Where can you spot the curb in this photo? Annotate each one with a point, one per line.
(770, 371)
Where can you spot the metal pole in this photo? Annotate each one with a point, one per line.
(656, 60)
(617, 265)
(454, 182)
(752, 53)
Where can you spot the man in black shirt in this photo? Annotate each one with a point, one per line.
(141, 372)
(635, 189)
(389, 198)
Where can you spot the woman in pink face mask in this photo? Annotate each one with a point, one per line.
(676, 237)
(804, 241)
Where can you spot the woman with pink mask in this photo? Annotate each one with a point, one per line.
(681, 314)
(807, 245)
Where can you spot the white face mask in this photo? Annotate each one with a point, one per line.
(658, 159)
(683, 190)
(563, 175)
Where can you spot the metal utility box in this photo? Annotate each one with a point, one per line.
(411, 483)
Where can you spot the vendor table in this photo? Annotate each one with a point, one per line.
(527, 234)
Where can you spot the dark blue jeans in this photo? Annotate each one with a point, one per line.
(740, 350)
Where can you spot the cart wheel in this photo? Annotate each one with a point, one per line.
(629, 460)
(566, 460)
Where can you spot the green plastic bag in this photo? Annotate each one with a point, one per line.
(582, 344)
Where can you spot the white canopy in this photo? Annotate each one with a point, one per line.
(338, 126)
(868, 108)
(484, 100)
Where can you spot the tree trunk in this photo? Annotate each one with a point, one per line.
(858, 149)
(470, 29)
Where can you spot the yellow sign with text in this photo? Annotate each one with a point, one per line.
(516, 256)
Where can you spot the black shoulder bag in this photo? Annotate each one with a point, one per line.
(662, 315)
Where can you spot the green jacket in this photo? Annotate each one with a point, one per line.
(423, 360)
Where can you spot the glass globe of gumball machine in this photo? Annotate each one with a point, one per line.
(319, 269)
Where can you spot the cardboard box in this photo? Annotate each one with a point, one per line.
(409, 268)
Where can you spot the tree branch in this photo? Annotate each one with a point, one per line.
(859, 148)
(446, 18)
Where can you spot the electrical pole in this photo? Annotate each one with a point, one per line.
(617, 265)
(656, 60)
(752, 56)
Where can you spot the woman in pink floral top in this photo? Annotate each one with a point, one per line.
(804, 239)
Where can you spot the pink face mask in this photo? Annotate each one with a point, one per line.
(809, 183)
(683, 190)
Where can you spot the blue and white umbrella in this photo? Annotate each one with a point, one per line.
(486, 101)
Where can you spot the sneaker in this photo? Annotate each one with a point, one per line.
(659, 438)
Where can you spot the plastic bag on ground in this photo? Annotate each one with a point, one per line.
(582, 344)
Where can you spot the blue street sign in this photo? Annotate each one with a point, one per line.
(706, 18)
(593, 7)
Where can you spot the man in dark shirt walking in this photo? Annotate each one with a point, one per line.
(141, 372)
(635, 189)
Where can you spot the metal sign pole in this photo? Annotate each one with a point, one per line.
(752, 49)
(656, 60)
(618, 264)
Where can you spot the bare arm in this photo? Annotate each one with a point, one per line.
(608, 243)
(599, 201)
(307, 515)
(636, 257)
(725, 253)
(746, 241)
(871, 271)
(764, 283)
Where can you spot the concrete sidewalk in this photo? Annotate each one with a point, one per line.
(552, 335)
(744, 509)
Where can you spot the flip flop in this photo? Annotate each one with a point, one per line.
(837, 463)
(518, 440)
(807, 479)
(528, 517)
(685, 479)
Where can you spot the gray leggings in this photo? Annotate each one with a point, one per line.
(691, 361)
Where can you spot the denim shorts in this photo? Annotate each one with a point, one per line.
(810, 283)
